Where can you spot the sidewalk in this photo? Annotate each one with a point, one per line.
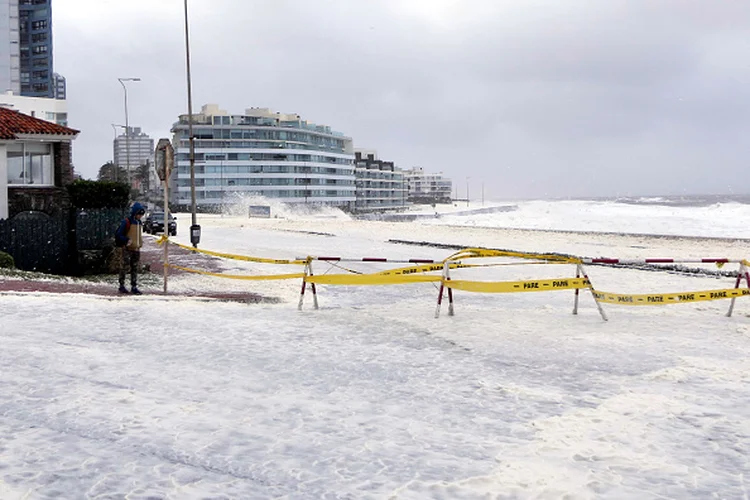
(151, 258)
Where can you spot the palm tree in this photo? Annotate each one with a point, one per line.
(112, 173)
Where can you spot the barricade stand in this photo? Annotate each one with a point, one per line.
(575, 302)
(450, 298)
(580, 272)
(446, 277)
(308, 272)
(741, 274)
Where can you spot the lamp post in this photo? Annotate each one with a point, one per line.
(127, 124)
(467, 191)
(195, 229)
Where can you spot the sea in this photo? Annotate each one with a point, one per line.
(693, 216)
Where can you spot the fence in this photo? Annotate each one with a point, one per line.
(43, 243)
(417, 271)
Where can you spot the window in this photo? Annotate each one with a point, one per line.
(39, 49)
(39, 25)
(30, 164)
(39, 37)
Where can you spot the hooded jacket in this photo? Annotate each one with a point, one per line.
(131, 229)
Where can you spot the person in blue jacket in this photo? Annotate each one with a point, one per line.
(129, 236)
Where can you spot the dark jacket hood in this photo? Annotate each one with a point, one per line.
(137, 207)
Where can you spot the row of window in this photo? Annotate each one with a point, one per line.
(36, 62)
(390, 193)
(244, 120)
(296, 193)
(263, 182)
(383, 176)
(37, 87)
(262, 157)
(260, 169)
(381, 185)
(235, 144)
(36, 75)
(41, 24)
(284, 135)
(263, 121)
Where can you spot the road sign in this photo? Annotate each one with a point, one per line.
(164, 159)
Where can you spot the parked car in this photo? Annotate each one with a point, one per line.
(154, 223)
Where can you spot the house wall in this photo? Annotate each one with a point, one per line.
(3, 182)
(64, 173)
(50, 200)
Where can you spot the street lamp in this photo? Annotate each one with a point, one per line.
(127, 125)
(195, 229)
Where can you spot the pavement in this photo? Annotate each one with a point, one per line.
(153, 263)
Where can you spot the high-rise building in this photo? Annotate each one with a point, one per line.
(9, 47)
(35, 35)
(58, 86)
(260, 152)
(380, 184)
(425, 187)
(133, 150)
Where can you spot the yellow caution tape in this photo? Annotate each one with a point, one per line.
(371, 279)
(660, 299)
(468, 253)
(518, 286)
(425, 268)
(241, 276)
(232, 256)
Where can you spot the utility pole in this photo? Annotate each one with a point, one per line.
(195, 229)
(127, 125)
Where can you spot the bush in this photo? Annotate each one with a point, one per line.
(6, 261)
(98, 194)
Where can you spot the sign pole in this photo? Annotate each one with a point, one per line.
(164, 162)
(166, 233)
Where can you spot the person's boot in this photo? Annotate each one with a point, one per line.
(122, 289)
(135, 291)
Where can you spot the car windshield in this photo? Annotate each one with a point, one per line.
(159, 216)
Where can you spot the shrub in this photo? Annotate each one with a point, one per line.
(6, 261)
(98, 194)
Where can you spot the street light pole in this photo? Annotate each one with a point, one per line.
(127, 124)
(195, 229)
(467, 191)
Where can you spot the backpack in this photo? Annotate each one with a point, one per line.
(122, 239)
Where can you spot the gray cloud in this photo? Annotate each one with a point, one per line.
(533, 98)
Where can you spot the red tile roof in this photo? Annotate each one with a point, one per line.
(13, 122)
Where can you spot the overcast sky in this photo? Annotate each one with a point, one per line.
(531, 98)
